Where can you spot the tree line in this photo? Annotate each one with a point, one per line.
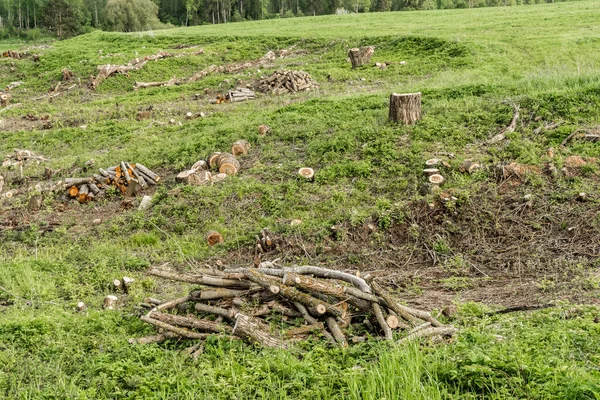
(65, 18)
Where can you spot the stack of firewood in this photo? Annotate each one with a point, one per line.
(284, 81)
(305, 301)
(126, 177)
(234, 96)
(13, 54)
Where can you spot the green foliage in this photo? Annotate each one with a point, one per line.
(131, 15)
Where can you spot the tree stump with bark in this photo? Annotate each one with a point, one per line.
(405, 108)
(360, 56)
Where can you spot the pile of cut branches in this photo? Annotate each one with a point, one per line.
(305, 300)
(128, 178)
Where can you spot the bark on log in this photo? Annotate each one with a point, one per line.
(173, 303)
(292, 293)
(434, 331)
(312, 270)
(405, 312)
(203, 280)
(223, 312)
(69, 182)
(212, 159)
(161, 337)
(240, 147)
(304, 330)
(405, 108)
(179, 331)
(147, 173)
(215, 294)
(362, 56)
(335, 330)
(313, 321)
(256, 331)
(190, 322)
(387, 331)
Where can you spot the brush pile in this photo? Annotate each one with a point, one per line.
(284, 81)
(307, 300)
(128, 178)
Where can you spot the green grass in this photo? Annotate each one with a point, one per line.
(483, 244)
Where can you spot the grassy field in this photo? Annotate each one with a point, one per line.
(500, 240)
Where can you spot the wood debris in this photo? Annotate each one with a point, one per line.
(105, 71)
(19, 157)
(361, 56)
(234, 96)
(128, 178)
(509, 129)
(13, 54)
(213, 69)
(333, 305)
(285, 81)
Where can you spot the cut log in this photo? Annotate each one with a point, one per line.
(431, 171)
(264, 129)
(403, 311)
(240, 147)
(67, 74)
(217, 293)
(205, 308)
(405, 108)
(191, 322)
(161, 337)
(73, 191)
(214, 237)
(257, 331)
(83, 196)
(201, 165)
(173, 303)
(179, 331)
(434, 331)
(336, 331)
(304, 330)
(307, 173)
(387, 331)
(293, 294)
(110, 302)
(469, 167)
(147, 173)
(392, 321)
(212, 159)
(360, 56)
(195, 177)
(76, 181)
(433, 162)
(228, 164)
(311, 320)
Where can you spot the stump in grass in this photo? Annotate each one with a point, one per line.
(214, 237)
(405, 108)
(307, 173)
(469, 167)
(66, 74)
(431, 171)
(264, 129)
(110, 302)
(240, 147)
(360, 56)
(436, 179)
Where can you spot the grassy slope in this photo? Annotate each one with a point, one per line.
(468, 63)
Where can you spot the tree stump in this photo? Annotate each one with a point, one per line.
(360, 56)
(212, 159)
(228, 164)
(405, 108)
(214, 237)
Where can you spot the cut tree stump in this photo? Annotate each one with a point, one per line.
(360, 56)
(264, 129)
(110, 302)
(228, 164)
(307, 173)
(240, 147)
(214, 237)
(212, 159)
(405, 108)
(436, 179)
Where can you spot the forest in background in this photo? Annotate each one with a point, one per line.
(31, 19)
